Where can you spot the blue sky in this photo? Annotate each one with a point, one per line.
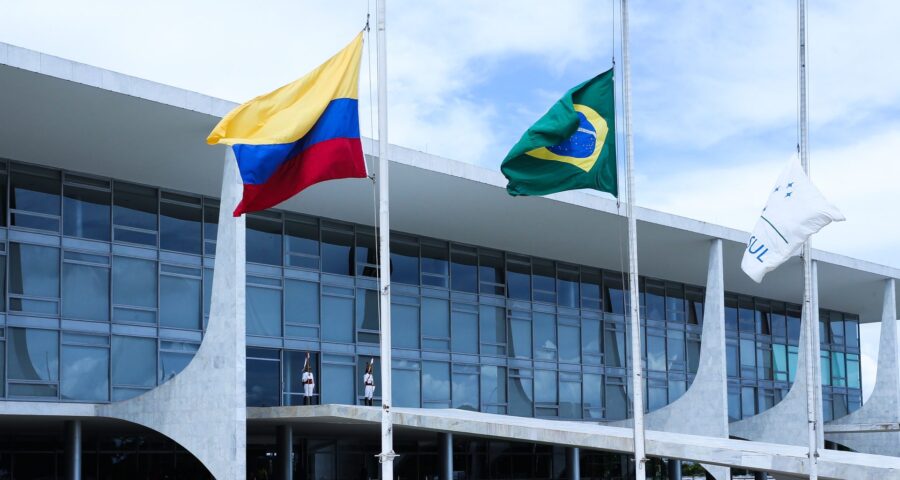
(714, 83)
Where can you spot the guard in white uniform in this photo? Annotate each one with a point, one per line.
(369, 382)
(309, 385)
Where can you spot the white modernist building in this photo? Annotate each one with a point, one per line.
(110, 173)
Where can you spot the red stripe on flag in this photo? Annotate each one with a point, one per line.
(328, 160)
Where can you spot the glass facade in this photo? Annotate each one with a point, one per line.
(106, 290)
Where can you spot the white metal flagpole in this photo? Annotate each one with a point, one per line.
(637, 383)
(809, 306)
(384, 252)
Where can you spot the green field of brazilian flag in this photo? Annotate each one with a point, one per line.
(572, 146)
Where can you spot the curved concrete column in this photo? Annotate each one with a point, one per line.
(884, 403)
(703, 409)
(786, 422)
(203, 408)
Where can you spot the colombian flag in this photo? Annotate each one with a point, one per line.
(304, 133)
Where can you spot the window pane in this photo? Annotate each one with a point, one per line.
(792, 362)
(694, 297)
(569, 344)
(406, 384)
(593, 395)
(590, 336)
(545, 336)
(693, 354)
(851, 324)
(435, 264)
(35, 189)
(520, 335)
(171, 363)
(86, 213)
(135, 282)
(134, 361)
(493, 385)
(263, 240)
(544, 278)
(746, 315)
(655, 297)
(436, 381)
(3, 283)
(180, 227)
(465, 388)
(367, 315)
(366, 255)
(674, 302)
(302, 243)
(613, 293)
(405, 262)
(732, 361)
(568, 287)
(135, 207)
(263, 383)
(657, 395)
(85, 373)
(793, 322)
(179, 302)
(675, 350)
(2, 369)
(656, 353)
(521, 394)
(748, 402)
(591, 289)
(337, 252)
(85, 292)
(853, 370)
(337, 320)
(435, 318)
(464, 337)
(33, 354)
(491, 272)
(518, 279)
(779, 361)
(748, 358)
(405, 326)
(263, 311)
(34, 270)
(614, 348)
(570, 397)
(301, 302)
(616, 406)
(545, 386)
(838, 369)
(337, 384)
(210, 228)
(493, 329)
(463, 270)
(825, 367)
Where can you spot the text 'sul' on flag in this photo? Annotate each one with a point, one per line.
(572, 146)
(301, 134)
(795, 210)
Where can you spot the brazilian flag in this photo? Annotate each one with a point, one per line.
(572, 146)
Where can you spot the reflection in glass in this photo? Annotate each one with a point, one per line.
(593, 395)
(86, 213)
(404, 325)
(84, 373)
(520, 334)
(491, 273)
(134, 213)
(569, 395)
(34, 271)
(33, 354)
(406, 384)
(436, 384)
(544, 280)
(545, 336)
(302, 239)
(135, 285)
(545, 387)
(180, 227)
(568, 286)
(337, 384)
(263, 240)
(337, 319)
(435, 323)
(366, 254)
(656, 352)
(464, 320)
(615, 346)
(493, 330)
(34, 198)
(465, 387)
(263, 311)
(263, 377)
(301, 302)
(464, 269)
(405, 261)
(367, 315)
(521, 392)
(435, 264)
(569, 343)
(179, 303)
(82, 282)
(133, 361)
(616, 407)
(337, 251)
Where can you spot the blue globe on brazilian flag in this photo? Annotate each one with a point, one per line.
(572, 146)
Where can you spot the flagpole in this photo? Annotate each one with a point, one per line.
(386, 458)
(637, 384)
(809, 305)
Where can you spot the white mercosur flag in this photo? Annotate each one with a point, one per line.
(795, 210)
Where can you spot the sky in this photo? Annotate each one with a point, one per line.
(714, 85)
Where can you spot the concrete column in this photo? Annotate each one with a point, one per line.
(204, 408)
(445, 452)
(703, 409)
(573, 463)
(73, 450)
(673, 467)
(883, 405)
(285, 439)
